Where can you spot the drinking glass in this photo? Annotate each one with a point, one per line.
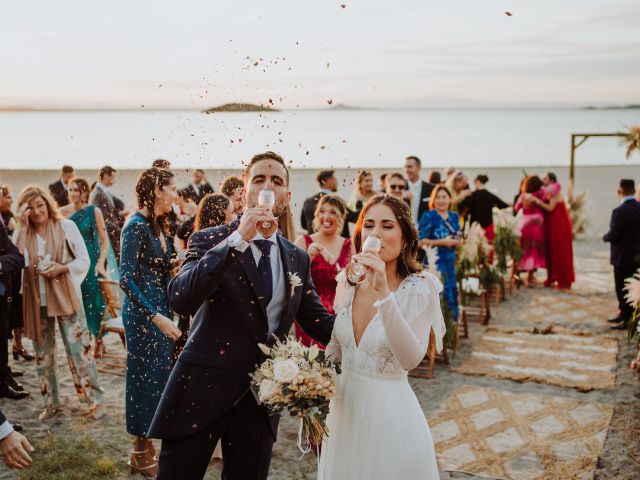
(267, 198)
(356, 272)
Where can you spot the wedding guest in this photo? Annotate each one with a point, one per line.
(11, 264)
(58, 190)
(199, 187)
(624, 237)
(480, 204)
(363, 191)
(440, 227)
(420, 191)
(558, 234)
(161, 163)
(435, 177)
(6, 201)
(186, 216)
(214, 210)
(329, 253)
(90, 223)
(57, 262)
(232, 188)
(13, 282)
(103, 198)
(145, 268)
(383, 182)
(458, 185)
(327, 184)
(14, 446)
(396, 186)
(448, 173)
(532, 235)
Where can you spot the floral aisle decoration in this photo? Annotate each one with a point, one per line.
(632, 140)
(507, 238)
(431, 259)
(577, 204)
(301, 380)
(473, 259)
(632, 287)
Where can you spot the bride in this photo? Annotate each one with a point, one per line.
(376, 426)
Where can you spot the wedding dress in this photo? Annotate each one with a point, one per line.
(377, 429)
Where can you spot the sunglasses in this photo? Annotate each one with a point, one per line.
(396, 187)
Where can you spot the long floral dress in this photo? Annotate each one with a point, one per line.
(434, 227)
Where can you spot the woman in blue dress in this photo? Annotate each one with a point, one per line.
(145, 268)
(439, 227)
(91, 224)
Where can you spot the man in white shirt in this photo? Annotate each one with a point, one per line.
(418, 190)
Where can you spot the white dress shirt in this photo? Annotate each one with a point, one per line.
(278, 301)
(416, 194)
(5, 430)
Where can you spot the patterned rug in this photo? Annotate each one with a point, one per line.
(569, 309)
(562, 357)
(522, 437)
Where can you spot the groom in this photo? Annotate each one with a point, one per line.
(245, 289)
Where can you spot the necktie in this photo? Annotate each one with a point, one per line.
(264, 269)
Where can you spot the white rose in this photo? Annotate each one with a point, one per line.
(268, 390)
(285, 370)
(314, 351)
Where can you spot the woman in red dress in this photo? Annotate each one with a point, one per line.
(329, 253)
(558, 235)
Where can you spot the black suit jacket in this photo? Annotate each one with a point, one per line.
(624, 234)
(309, 209)
(205, 189)
(212, 372)
(12, 263)
(425, 196)
(59, 193)
(2, 418)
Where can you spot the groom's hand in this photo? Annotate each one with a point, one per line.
(250, 218)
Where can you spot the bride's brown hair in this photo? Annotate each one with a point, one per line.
(407, 260)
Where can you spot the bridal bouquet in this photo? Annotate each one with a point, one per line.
(301, 380)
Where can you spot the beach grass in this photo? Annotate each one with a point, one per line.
(67, 456)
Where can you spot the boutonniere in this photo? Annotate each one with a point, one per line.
(294, 281)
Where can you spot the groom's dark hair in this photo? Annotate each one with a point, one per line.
(265, 156)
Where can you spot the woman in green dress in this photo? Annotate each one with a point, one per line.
(91, 224)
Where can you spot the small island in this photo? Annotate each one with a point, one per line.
(240, 107)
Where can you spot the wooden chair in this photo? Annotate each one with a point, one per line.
(425, 369)
(478, 306)
(111, 322)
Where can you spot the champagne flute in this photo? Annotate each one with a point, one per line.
(356, 272)
(267, 198)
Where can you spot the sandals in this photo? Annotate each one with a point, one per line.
(48, 413)
(149, 471)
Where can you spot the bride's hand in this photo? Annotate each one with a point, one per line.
(377, 272)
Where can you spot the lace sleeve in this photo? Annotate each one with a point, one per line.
(344, 291)
(333, 350)
(409, 317)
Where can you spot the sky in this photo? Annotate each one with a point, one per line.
(194, 54)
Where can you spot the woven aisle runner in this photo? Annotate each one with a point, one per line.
(522, 437)
(563, 357)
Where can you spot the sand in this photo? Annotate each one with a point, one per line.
(600, 183)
